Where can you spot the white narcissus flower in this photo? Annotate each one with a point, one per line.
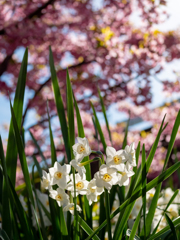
(93, 191)
(46, 179)
(115, 158)
(129, 154)
(124, 176)
(81, 149)
(60, 196)
(60, 174)
(106, 177)
(81, 184)
(70, 207)
(80, 169)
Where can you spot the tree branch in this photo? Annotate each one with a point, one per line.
(45, 83)
(38, 12)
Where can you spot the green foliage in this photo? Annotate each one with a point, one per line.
(17, 220)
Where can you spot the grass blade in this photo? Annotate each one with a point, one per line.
(22, 156)
(39, 149)
(163, 176)
(88, 209)
(60, 106)
(99, 128)
(105, 116)
(53, 149)
(165, 231)
(172, 140)
(27, 229)
(144, 180)
(38, 166)
(86, 228)
(70, 113)
(169, 203)
(135, 226)
(3, 235)
(11, 156)
(6, 216)
(169, 221)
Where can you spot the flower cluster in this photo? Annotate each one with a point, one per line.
(115, 171)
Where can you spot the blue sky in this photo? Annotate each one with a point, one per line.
(172, 23)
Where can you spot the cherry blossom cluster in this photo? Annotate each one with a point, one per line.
(116, 171)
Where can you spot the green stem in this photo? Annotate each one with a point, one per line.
(75, 232)
(99, 153)
(89, 161)
(108, 214)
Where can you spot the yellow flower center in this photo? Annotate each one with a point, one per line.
(117, 159)
(92, 190)
(81, 149)
(123, 173)
(71, 208)
(173, 213)
(58, 175)
(58, 197)
(151, 195)
(47, 203)
(79, 185)
(107, 177)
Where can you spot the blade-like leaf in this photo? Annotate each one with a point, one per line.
(70, 112)
(22, 156)
(105, 116)
(99, 128)
(169, 203)
(165, 231)
(59, 106)
(88, 209)
(135, 226)
(11, 156)
(86, 228)
(53, 150)
(38, 166)
(39, 149)
(21, 214)
(172, 140)
(3, 235)
(6, 216)
(144, 180)
(169, 221)
(138, 193)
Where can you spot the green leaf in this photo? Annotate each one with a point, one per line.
(165, 231)
(105, 116)
(169, 221)
(138, 193)
(3, 235)
(144, 180)
(38, 166)
(11, 156)
(125, 136)
(86, 228)
(172, 140)
(36, 217)
(39, 149)
(53, 149)
(21, 214)
(22, 156)
(169, 203)
(63, 223)
(59, 106)
(70, 113)
(99, 128)
(6, 216)
(135, 226)
(88, 209)
(55, 219)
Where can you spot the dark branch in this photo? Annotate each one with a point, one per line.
(45, 83)
(38, 12)
(4, 64)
